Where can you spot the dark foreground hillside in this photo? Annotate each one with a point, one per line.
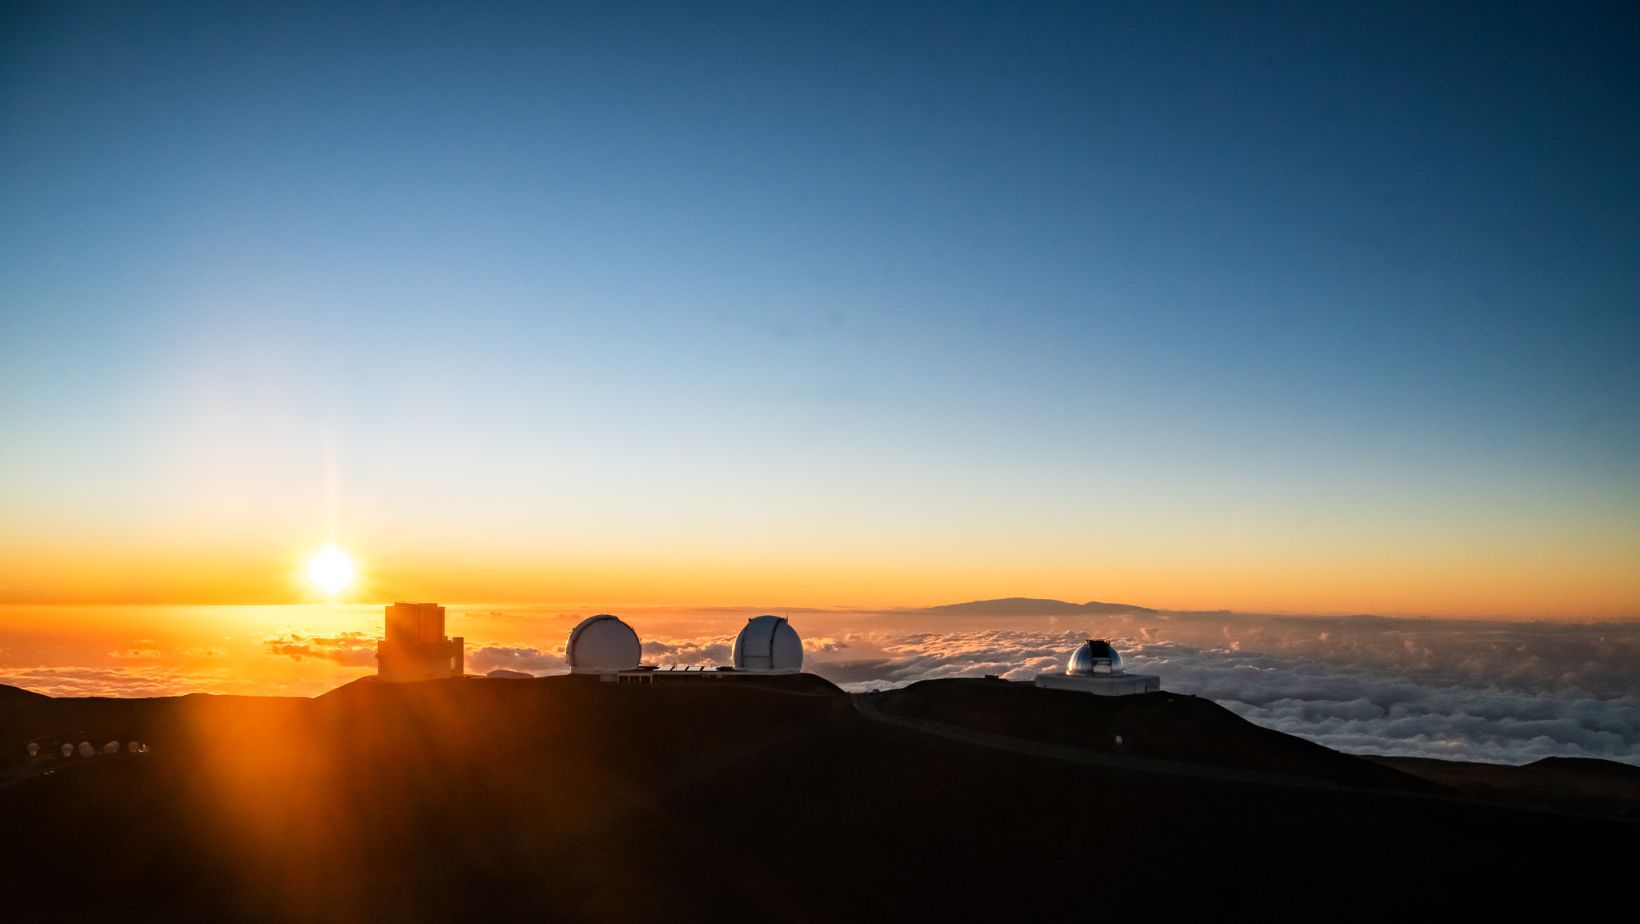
(1569, 783)
(708, 798)
(1152, 726)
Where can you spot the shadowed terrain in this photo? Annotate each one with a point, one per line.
(1573, 783)
(707, 797)
(1161, 726)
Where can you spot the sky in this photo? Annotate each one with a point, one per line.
(1274, 308)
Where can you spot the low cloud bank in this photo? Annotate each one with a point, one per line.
(121, 682)
(1361, 709)
(1501, 692)
(701, 652)
(515, 658)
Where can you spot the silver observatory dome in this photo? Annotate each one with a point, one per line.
(1094, 656)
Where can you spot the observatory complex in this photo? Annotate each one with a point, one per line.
(603, 646)
(1096, 667)
(606, 648)
(415, 647)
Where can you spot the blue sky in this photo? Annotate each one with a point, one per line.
(963, 275)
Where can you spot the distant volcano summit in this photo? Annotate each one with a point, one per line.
(1030, 606)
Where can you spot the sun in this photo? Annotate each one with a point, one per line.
(331, 570)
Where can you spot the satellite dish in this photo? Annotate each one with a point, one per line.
(86, 750)
(33, 748)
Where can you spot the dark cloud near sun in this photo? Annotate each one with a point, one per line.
(354, 649)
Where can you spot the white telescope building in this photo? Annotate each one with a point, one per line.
(604, 645)
(768, 645)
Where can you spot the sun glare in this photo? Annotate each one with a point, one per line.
(330, 570)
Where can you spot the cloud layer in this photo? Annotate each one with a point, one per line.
(124, 681)
(1492, 692)
(522, 659)
(354, 649)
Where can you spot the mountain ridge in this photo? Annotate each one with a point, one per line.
(1034, 606)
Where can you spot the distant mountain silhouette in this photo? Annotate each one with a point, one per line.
(1030, 606)
(1588, 765)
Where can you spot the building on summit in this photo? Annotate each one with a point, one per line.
(415, 647)
(607, 648)
(1096, 667)
(602, 645)
(768, 644)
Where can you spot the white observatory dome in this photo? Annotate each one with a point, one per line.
(1095, 656)
(769, 644)
(602, 644)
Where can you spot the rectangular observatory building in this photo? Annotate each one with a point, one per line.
(415, 647)
(1102, 684)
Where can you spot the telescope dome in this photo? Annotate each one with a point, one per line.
(768, 644)
(602, 644)
(1095, 656)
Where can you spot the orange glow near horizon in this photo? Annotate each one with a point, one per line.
(1464, 583)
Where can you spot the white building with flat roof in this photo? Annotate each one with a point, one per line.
(1096, 667)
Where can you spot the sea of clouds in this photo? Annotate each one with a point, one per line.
(1509, 692)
